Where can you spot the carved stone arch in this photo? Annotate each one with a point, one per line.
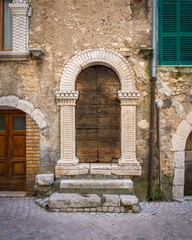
(128, 96)
(97, 56)
(27, 107)
(178, 147)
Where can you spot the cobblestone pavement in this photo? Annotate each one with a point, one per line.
(21, 218)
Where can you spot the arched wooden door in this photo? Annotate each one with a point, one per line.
(98, 115)
(188, 166)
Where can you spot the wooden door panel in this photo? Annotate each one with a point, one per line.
(15, 185)
(86, 121)
(19, 146)
(108, 110)
(2, 157)
(2, 146)
(87, 98)
(18, 168)
(3, 152)
(17, 141)
(2, 169)
(108, 121)
(108, 115)
(86, 110)
(107, 99)
(87, 149)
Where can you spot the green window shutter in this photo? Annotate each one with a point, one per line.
(185, 32)
(167, 32)
(7, 26)
(175, 32)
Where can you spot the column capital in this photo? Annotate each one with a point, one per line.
(19, 8)
(67, 97)
(129, 97)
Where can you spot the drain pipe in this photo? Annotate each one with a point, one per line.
(158, 146)
(153, 86)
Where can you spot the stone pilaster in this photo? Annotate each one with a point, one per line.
(67, 101)
(19, 9)
(129, 100)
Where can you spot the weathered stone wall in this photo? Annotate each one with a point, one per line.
(174, 97)
(64, 28)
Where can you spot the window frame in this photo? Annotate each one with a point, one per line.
(1, 25)
(178, 34)
(2, 30)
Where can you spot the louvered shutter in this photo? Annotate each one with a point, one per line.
(186, 32)
(167, 32)
(175, 32)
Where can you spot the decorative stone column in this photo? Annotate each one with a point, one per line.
(19, 9)
(129, 100)
(67, 101)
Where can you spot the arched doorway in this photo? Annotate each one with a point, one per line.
(188, 166)
(98, 115)
(12, 150)
(67, 96)
(35, 122)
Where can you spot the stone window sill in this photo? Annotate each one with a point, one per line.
(33, 53)
(14, 56)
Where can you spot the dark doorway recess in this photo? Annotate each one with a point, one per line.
(188, 166)
(98, 115)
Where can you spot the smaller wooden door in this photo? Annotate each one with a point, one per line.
(12, 150)
(188, 166)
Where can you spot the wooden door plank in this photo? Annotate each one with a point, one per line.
(108, 115)
(86, 116)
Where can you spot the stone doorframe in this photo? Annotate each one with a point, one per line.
(129, 97)
(178, 147)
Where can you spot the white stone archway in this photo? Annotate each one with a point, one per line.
(178, 147)
(66, 99)
(25, 106)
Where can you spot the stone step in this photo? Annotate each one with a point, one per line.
(97, 186)
(70, 202)
(65, 200)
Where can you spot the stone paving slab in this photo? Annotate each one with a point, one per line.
(22, 219)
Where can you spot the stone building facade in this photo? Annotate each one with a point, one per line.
(53, 42)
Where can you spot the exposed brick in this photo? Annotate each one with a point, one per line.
(32, 154)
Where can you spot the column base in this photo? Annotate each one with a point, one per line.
(67, 162)
(127, 167)
(62, 170)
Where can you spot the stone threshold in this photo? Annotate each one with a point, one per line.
(12, 193)
(185, 198)
(97, 169)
